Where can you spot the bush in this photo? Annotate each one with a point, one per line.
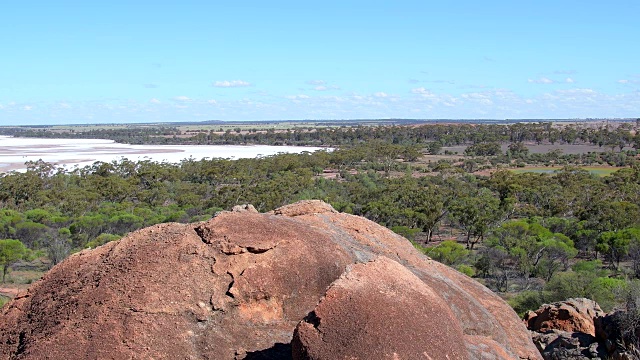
(525, 301)
(102, 239)
(406, 231)
(602, 290)
(483, 149)
(467, 270)
(447, 252)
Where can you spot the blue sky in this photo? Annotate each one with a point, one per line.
(141, 61)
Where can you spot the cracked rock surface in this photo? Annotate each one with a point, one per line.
(236, 287)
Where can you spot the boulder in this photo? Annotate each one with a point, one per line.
(379, 310)
(572, 315)
(236, 287)
(578, 329)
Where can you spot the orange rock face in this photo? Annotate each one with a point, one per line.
(572, 315)
(379, 310)
(236, 286)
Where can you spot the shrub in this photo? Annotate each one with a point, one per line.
(467, 270)
(406, 231)
(102, 239)
(447, 252)
(525, 301)
(3, 300)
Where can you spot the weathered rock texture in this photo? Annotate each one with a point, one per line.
(577, 329)
(236, 286)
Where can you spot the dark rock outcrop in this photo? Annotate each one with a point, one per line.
(558, 344)
(235, 287)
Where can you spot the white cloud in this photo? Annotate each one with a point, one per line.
(623, 81)
(483, 98)
(423, 92)
(577, 91)
(64, 106)
(231, 84)
(326, 88)
(568, 101)
(542, 80)
(297, 97)
(569, 80)
(321, 85)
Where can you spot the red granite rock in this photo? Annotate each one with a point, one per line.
(572, 315)
(234, 287)
(379, 310)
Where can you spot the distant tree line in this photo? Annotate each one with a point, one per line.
(614, 137)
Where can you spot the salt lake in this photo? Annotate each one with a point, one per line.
(14, 152)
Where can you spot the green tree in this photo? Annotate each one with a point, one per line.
(434, 147)
(518, 149)
(530, 249)
(58, 245)
(483, 149)
(476, 213)
(615, 245)
(30, 233)
(10, 252)
(634, 250)
(8, 221)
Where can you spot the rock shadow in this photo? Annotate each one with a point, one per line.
(278, 351)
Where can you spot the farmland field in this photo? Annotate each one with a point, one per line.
(596, 170)
(568, 149)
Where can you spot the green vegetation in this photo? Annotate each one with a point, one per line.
(10, 252)
(533, 237)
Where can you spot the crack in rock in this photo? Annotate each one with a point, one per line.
(227, 246)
